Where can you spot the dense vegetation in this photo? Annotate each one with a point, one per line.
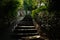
(47, 15)
(8, 11)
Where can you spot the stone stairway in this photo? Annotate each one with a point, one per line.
(22, 32)
(25, 30)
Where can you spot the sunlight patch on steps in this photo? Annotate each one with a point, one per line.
(32, 37)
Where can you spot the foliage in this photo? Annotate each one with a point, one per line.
(8, 12)
(30, 4)
(42, 8)
(9, 8)
(48, 18)
(44, 18)
(21, 3)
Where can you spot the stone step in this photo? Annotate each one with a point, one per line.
(20, 35)
(27, 17)
(32, 37)
(25, 27)
(36, 37)
(26, 23)
(25, 31)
